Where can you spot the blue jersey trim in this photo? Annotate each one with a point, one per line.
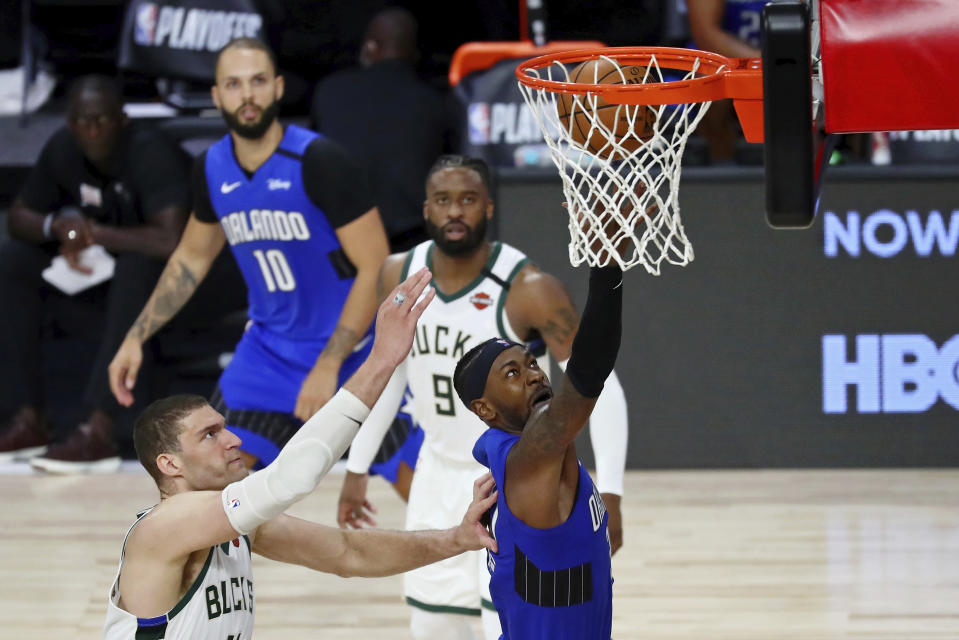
(151, 628)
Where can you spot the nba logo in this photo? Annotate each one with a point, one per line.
(146, 23)
(234, 503)
(478, 118)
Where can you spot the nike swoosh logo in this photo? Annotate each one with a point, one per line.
(227, 188)
(358, 423)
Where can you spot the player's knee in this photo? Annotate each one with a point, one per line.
(426, 625)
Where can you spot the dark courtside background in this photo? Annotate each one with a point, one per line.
(722, 361)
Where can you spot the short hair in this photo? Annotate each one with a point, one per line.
(463, 367)
(456, 161)
(158, 429)
(95, 83)
(249, 43)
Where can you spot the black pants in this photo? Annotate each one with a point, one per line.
(34, 311)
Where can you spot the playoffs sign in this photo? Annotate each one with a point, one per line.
(181, 38)
(500, 127)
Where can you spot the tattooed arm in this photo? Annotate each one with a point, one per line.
(186, 268)
(538, 300)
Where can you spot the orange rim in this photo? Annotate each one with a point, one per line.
(722, 77)
(738, 78)
(477, 56)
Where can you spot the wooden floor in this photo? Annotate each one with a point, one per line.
(709, 555)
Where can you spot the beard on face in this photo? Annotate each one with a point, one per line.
(257, 129)
(464, 246)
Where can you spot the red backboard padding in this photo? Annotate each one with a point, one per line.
(889, 65)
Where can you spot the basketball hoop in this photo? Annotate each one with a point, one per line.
(617, 126)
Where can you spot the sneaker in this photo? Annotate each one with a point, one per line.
(82, 452)
(25, 436)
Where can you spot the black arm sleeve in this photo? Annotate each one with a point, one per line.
(335, 182)
(597, 341)
(202, 207)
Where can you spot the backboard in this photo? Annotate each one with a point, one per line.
(848, 66)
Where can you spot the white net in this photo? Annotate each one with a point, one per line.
(620, 164)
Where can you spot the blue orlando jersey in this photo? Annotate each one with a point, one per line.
(284, 244)
(742, 19)
(548, 583)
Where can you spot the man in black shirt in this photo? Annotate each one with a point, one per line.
(98, 181)
(390, 120)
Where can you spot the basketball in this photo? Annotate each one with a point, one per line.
(616, 119)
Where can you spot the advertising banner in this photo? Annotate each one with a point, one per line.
(500, 128)
(181, 38)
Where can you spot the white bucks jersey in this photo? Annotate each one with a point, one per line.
(217, 606)
(454, 323)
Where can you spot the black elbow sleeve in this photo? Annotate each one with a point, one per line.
(597, 340)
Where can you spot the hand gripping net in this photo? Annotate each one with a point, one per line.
(627, 189)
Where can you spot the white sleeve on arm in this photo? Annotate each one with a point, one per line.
(367, 441)
(609, 435)
(302, 463)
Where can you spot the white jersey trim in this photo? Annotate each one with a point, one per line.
(503, 265)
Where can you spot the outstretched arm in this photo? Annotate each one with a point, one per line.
(195, 520)
(190, 521)
(593, 355)
(544, 452)
(539, 301)
(373, 552)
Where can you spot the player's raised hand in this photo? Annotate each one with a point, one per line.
(397, 316)
(471, 534)
(123, 370)
(354, 509)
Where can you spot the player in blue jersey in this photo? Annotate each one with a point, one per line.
(296, 212)
(551, 575)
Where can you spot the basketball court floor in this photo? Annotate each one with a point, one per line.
(709, 555)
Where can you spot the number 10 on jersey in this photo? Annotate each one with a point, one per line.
(276, 270)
